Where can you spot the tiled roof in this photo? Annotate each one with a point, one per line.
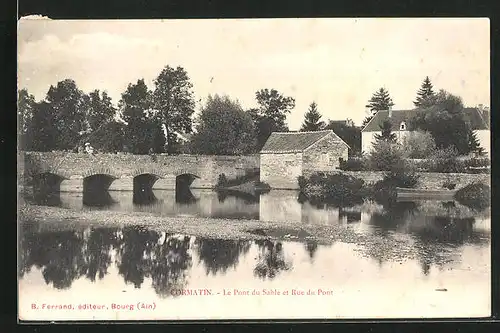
(294, 142)
(472, 115)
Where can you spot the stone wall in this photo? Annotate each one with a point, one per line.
(126, 166)
(324, 155)
(281, 171)
(428, 180)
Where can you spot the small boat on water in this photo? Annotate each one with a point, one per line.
(413, 193)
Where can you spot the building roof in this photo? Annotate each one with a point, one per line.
(294, 142)
(472, 115)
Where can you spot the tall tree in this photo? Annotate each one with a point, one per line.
(136, 111)
(386, 135)
(25, 108)
(271, 114)
(101, 109)
(425, 95)
(69, 106)
(312, 120)
(174, 100)
(380, 100)
(43, 131)
(223, 129)
(350, 134)
(474, 144)
(445, 121)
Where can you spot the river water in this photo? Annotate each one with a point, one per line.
(425, 259)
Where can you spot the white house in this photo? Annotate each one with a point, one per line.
(478, 119)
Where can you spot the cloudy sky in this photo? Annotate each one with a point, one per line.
(338, 63)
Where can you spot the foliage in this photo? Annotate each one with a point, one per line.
(474, 145)
(223, 129)
(384, 155)
(476, 195)
(380, 100)
(399, 175)
(250, 175)
(69, 106)
(174, 101)
(43, 132)
(354, 164)
(271, 114)
(445, 121)
(143, 130)
(312, 120)
(386, 135)
(25, 108)
(101, 109)
(337, 189)
(108, 138)
(418, 144)
(350, 134)
(425, 95)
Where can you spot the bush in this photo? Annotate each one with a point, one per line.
(222, 181)
(384, 191)
(418, 145)
(354, 164)
(385, 155)
(448, 184)
(475, 195)
(336, 188)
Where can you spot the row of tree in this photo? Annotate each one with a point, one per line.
(147, 120)
(160, 119)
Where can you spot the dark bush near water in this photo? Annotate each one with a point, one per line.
(384, 191)
(338, 189)
(475, 195)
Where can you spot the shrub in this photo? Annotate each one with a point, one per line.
(222, 181)
(385, 155)
(384, 191)
(335, 188)
(475, 195)
(418, 144)
(353, 164)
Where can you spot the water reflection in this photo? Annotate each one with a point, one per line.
(218, 255)
(271, 260)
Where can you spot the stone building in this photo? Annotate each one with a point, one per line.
(288, 155)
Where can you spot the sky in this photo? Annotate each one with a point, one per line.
(338, 63)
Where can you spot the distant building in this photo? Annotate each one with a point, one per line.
(479, 120)
(288, 155)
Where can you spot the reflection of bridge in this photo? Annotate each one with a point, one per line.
(72, 172)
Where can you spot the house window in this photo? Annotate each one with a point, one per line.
(325, 159)
(402, 127)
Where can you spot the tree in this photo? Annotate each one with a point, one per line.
(312, 119)
(136, 111)
(386, 135)
(474, 145)
(69, 107)
(380, 100)
(418, 144)
(101, 109)
(174, 100)
(25, 108)
(425, 95)
(44, 134)
(271, 114)
(445, 121)
(223, 129)
(350, 134)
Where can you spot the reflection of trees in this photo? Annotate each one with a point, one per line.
(135, 246)
(271, 259)
(97, 252)
(393, 216)
(220, 254)
(169, 264)
(64, 256)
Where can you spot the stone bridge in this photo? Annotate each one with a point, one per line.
(72, 172)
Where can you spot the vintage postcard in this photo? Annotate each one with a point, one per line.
(224, 169)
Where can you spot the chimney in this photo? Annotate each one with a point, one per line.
(390, 112)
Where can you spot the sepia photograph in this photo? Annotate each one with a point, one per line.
(236, 169)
